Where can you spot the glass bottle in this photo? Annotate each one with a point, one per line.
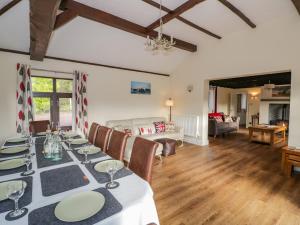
(57, 148)
(48, 146)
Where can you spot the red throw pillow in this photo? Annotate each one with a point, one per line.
(160, 127)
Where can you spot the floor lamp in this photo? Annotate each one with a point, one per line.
(170, 103)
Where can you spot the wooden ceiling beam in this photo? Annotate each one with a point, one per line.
(64, 18)
(238, 13)
(42, 20)
(8, 6)
(297, 5)
(119, 23)
(156, 5)
(174, 13)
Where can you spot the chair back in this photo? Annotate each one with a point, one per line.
(93, 132)
(142, 157)
(117, 145)
(102, 137)
(39, 126)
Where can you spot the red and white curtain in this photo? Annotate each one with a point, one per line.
(81, 106)
(24, 98)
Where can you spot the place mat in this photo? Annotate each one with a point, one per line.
(62, 179)
(15, 170)
(26, 199)
(42, 162)
(80, 157)
(45, 215)
(14, 154)
(8, 144)
(104, 177)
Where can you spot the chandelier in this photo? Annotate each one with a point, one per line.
(160, 42)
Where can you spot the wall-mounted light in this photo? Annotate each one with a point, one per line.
(190, 88)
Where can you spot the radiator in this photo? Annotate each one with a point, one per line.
(189, 123)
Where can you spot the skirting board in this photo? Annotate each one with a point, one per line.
(196, 141)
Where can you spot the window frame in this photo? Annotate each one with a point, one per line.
(54, 98)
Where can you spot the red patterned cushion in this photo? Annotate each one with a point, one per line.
(160, 127)
(219, 119)
(147, 129)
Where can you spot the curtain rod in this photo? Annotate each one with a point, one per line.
(53, 71)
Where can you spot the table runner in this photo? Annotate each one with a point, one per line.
(42, 162)
(62, 179)
(45, 215)
(104, 177)
(8, 205)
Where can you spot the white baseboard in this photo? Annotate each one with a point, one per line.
(196, 141)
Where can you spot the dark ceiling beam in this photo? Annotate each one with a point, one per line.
(8, 6)
(156, 5)
(119, 23)
(238, 13)
(174, 13)
(297, 5)
(42, 20)
(64, 18)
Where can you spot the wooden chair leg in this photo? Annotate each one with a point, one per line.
(289, 169)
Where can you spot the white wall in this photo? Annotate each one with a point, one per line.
(271, 47)
(108, 91)
(223, 100)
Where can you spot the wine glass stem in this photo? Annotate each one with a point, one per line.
(16, 204)
(85, 155)
(111, 178)
(27, 165)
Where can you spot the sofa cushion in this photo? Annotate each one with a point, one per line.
(219, 119)
(160, 127)
(146, 129)
(170, 127)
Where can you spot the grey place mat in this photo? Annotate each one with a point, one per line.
(104, 177)
(15, 170)
(15, 154)
(80, 157)
(62, 179)
(42, 162)
(45, 215)
(26, 199)
(7, 144)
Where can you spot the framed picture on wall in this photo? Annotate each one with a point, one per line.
(281, 91)
(143, 88)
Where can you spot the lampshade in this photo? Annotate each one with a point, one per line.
(169, 102)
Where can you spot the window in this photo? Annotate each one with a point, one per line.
(52, 100)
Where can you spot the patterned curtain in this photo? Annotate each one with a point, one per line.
(81, 103)
(24, 98)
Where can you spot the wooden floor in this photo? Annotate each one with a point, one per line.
(229, 182)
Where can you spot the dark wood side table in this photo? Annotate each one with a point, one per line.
(168, 146)
(290, 158)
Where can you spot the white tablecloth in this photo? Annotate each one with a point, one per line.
(134, 194)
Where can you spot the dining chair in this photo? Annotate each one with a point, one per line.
(102, 137)
(142, 156)
(117, 144)
(39, 126)
(93, 132)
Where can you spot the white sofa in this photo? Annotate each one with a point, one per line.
(134, 124)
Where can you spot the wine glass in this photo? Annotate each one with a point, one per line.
(85, 150)
(111, 170)
(28, 162)
(15, 191)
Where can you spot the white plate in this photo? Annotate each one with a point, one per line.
(12, 163)
(103, 166)
(91, 150)
(16, 139)
(4, 187)
(79, 141)
(70, 134)
(79, 206)
(41, 133)
(13, 150)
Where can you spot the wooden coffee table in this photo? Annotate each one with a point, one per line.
(268, 129)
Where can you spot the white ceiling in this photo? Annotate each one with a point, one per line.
(86, 40)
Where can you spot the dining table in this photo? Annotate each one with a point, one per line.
(131, 203)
